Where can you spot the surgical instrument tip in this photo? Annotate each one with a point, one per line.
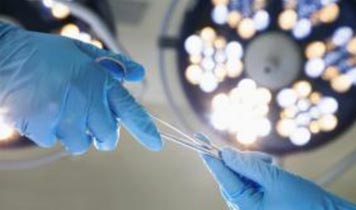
(201, 145)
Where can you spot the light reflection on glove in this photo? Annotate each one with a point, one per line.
(52, 88)
(250, 182)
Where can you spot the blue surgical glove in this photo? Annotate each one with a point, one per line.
(248, 181)
(52, 88)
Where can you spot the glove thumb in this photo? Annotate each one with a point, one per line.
(249, 166)
(119, 66)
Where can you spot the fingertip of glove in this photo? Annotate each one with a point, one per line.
(121, 70)
(229, 154)
(211, 162)
(76, 146)
(108, 145)
(154, 143)
(104, 147)
(136, 73)
(148, 133)
(76, 151)
(205, 158)
(114, 67)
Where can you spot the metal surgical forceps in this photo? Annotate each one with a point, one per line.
(198, 142)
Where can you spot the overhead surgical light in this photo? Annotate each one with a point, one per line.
(243, 109)
(301, 17)
(212, 59)
(59, 10)
(284, 71)
(246, 17)
(305, 113)
(73, 31)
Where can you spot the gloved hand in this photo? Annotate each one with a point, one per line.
(51, 87)
(250, 182)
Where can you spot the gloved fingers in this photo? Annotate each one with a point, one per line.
(262, 156)
(249, 200)
(133, 72)
(36, 127)
(71, 131)
(259, 155)
(109, 144)
(115, 68)
(231, 184)
(248, 166)
(71, 123)
(75, 140)
(231, 205)
(40, 130)
(134, 118)
(102, 125)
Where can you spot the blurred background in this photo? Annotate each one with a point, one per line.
(134, 178)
